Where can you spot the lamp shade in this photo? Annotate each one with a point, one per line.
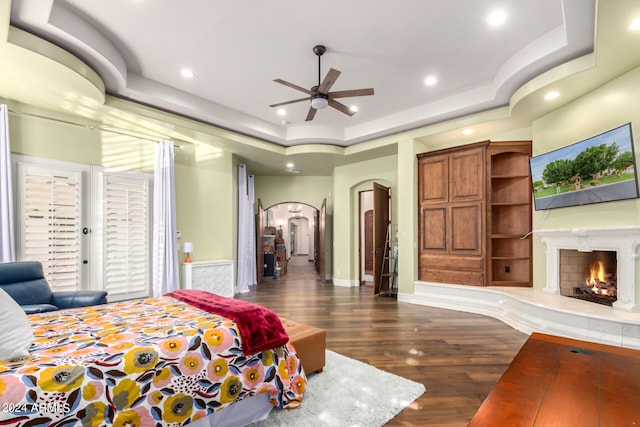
(187, 247)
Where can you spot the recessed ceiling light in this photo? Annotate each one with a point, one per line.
(635, 25)
(430, 80)
(186, 73)
(354, 108)
(294, 170)
(497, 18)
(551, 95)
(289, 165)
(467, 131)
(284, 122)
(282, 112)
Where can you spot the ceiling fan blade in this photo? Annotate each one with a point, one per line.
(350, 93)
(341, 107)
(311, 114)
(291, 85)
(328, 81)
(279, 104)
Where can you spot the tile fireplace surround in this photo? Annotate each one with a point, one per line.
(533, 310)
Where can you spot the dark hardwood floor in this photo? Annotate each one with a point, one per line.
(459, 357)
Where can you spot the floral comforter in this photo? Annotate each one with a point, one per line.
(156, 361)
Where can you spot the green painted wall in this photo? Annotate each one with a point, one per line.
(206, 203)
(348, 180)
(609, 106)
(407, 215)
(311, 190)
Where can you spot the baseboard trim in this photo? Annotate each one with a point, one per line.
(345, 283)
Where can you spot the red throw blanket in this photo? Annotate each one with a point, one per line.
(260, 328)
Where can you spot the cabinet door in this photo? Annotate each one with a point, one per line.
(466, 175)
(433, 229)
(434, 179)
(466, 229)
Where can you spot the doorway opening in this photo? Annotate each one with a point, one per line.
(366, 238)
(294, 228)
(374, 227)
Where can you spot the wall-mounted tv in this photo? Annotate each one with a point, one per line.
(599, 169)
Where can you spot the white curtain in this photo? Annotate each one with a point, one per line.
(7, 239)
(165, 247)
(251, 238)
(246, 231)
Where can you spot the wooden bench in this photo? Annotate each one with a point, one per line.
(565, 382)
(310, 344)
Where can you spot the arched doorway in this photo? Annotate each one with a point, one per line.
(295, 228)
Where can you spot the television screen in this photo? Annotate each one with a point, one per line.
(599, 169)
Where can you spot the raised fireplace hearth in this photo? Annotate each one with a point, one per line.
(614, 248)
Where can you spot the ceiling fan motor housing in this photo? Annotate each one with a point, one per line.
(319, 49)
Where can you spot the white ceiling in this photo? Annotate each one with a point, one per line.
(237, 48)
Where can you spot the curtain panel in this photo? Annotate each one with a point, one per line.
(7, 238)
(165, 246)
(246, 231)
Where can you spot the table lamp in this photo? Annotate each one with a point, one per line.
(187, 248)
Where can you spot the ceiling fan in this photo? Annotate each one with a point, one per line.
(319, 95)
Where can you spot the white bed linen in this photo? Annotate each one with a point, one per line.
(241, 413)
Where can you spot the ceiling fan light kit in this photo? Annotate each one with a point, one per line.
(319, 102)
(320, 95)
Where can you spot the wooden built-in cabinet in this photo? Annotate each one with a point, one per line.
(509, 242)
(475, 214)
(452, 215)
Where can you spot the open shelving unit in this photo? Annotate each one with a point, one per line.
(509, 215)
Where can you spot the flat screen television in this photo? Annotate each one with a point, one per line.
(599, 169)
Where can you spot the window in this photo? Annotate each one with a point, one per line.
(89, 227)
(50, 223)
(126, 235)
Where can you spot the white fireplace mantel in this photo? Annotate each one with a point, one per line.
(623, 240)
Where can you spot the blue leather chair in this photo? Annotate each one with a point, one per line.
(25, 282)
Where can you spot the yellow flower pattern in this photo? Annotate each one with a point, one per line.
(125, 364)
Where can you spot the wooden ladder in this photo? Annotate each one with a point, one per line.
(391, 273)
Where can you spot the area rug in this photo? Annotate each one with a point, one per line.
(348, 393)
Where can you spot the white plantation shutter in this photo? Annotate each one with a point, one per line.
(89, 228)
(51, 227)
(126, 235)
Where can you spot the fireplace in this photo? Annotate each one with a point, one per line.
(619, 243)
(589, 276)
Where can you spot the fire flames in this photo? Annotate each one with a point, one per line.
(599, 282)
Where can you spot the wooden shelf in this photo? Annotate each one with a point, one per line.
(509, 283)
(510, 204)
(509, 176)
(509, 217)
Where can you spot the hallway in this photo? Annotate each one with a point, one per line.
(299, 268)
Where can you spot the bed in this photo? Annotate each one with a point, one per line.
(188, 357)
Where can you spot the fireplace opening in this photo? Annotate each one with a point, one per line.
(589, 276)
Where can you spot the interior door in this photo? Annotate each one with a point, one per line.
(381, 198)
(368, 242)
(321, 242)
(259, 234)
